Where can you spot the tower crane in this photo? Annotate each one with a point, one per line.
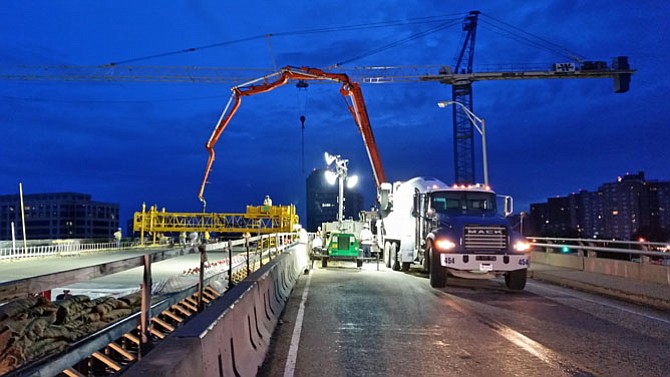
(460, 77)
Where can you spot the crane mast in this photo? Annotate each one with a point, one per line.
(464, 145)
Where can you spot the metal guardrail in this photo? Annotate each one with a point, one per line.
(75, 248)
(644, 252)
(57, 249)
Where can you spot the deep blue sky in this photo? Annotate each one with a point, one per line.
(138, 142)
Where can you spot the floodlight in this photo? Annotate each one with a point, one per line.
(352, 181)
(331, 177)
(329, 158)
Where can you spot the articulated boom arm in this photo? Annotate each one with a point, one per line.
(349, 89)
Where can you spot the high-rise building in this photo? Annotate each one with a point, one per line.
(558, 217)
(322, 201)
(63, 215)
(586, 214)
(537, 219)
(629, 208)
(626, 206)
(661, 208)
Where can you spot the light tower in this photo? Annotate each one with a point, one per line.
(339, 175)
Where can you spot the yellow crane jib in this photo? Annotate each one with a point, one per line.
(256, 220)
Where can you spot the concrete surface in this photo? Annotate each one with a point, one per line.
(635, 291)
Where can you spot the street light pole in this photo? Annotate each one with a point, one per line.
(341, 174)
(482, 131)
(522, 214)
(484, 155)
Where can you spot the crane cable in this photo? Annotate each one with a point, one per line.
(506, 30)
(272, 55)
(302, 104)
(442, 26)
(372, 25)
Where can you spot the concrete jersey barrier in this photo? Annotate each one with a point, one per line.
(631, 270)
(231, 336)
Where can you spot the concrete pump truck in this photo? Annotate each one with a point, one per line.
(341, 242)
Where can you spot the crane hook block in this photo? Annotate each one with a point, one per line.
(302, 121)
(302, 84)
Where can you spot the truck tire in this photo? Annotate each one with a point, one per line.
(405, 266)
(437, 273)
(516, 280)
(324, 262)
(387, 254)
(394, 256)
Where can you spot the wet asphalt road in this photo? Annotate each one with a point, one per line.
(386, 323)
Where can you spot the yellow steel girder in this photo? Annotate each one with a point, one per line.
(257, 219)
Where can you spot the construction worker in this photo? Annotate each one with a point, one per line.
(65, 295)
(117, 237)
(182, 238)
(267, 201)
(193, 237)
(206, 237)
(366, 237)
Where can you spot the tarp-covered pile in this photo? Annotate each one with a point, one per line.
(33, 327)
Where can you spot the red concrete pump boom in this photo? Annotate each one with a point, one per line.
(349, 89)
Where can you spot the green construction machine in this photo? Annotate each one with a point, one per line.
(341, 241)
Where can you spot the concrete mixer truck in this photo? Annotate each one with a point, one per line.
(450, 231)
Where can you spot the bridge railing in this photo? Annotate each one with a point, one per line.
(60, 249)
(634, 251)
(644, 261)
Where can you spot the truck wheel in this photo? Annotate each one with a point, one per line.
(394, 256)
(516, 280)
(387, 254)
(426, 259)
(437, 273)
(405, 266)
(324, 262)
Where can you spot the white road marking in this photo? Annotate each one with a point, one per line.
(527, 344)
(289, 369)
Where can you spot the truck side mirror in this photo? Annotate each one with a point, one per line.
(416, 204)
(383, 195)
(509, 205)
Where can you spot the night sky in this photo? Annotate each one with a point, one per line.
(131, 143)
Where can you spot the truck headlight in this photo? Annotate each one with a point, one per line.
(444, 244)
(522, 246)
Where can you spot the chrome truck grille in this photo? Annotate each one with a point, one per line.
(485, 238)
